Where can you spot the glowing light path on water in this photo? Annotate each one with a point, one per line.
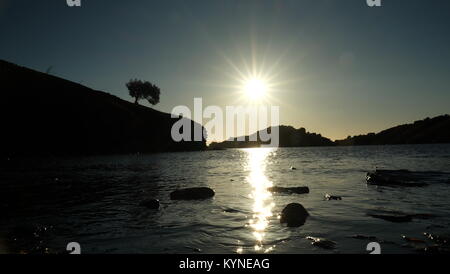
(262, 198)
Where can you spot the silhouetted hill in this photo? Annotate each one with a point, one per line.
(46, 115)
(427, 131)
(289, 137)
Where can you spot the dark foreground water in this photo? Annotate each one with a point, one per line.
(47, 203)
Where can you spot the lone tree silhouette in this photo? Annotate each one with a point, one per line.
(143, 90)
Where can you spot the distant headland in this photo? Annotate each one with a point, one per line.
(428, 131)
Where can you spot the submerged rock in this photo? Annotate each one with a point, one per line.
(441, 244)
(413, 240)
(231, 210)
(292, 168)
(195, 193)
(322, 242)
(398, 216)
(371, 238)
(392, 218)
(195, 249)
(289, 190)
(363, 237)
(403, 178)
(151, 203)
(294, 215)
(330, 197)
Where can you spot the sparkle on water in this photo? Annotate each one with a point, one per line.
(262, 198)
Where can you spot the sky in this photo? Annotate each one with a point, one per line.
(338, 68)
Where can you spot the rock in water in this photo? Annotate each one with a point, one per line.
(398, 216)
(289, 190)
(294, 215)
(194, 193)
(392, 218)
(413, 240)
(330, 197)
(395, 178)
(151, 203)
(322, 242)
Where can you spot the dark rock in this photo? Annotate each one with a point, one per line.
(231, 210)
(398, 216)
(150, 203)
(395, 178)
(322, 242)
(194, 193)
(392, 218)
(289, 190)
(294, 215)
(292, 168)
(330, 197)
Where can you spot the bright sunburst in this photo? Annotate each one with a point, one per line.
(255, 89)
(256, 77)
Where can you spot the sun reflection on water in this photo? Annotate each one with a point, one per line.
(262, 199)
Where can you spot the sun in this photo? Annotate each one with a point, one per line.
(255, 89)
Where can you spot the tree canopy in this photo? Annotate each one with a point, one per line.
(143, 90)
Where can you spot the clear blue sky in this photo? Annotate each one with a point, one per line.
(340, 67)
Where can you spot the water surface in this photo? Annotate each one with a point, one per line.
(47, 203)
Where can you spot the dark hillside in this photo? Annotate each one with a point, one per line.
(427, 131)
(46, 115)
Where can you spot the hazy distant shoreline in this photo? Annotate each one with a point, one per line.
(427, 131)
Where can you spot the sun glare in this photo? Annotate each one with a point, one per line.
(255, 89)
